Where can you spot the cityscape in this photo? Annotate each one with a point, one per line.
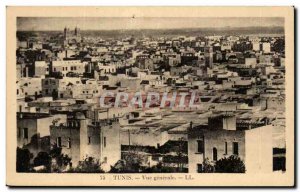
(150, 95)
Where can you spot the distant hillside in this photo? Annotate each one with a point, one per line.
(187, 32)
(168, 32)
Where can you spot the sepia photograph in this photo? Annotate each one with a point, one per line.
(147, 97)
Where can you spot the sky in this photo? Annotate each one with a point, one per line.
(115, 23)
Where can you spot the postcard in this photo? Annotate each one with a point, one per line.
(150, 96)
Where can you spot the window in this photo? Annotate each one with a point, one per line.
(215, 154)
(74, 68)
(69, 142)
(226, 151)
(104, 141)
(105, 160)
(25, 133)
(200, 144)
(58, 141)
(89, 140)
(235, 148)
(199, 168)
(54, 69)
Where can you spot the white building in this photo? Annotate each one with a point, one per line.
(250, 62)
(221, 138)
(75, 66)
(41, 68)
(266, 47)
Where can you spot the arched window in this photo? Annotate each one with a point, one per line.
(215, 154)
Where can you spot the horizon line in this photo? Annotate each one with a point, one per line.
(156, 29)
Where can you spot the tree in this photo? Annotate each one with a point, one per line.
(55, 121)
(119, 167)
(179, 149)
(43, 159)
(208, 167)
(130, 163)
(232, 164)
(88, 165)
(61, 161)
(23, 160)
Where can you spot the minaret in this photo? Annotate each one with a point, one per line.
(208, 55)
(77, 31)
(65, 32)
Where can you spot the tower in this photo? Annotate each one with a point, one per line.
(77, 31)
(66, 33)
(208, 54)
